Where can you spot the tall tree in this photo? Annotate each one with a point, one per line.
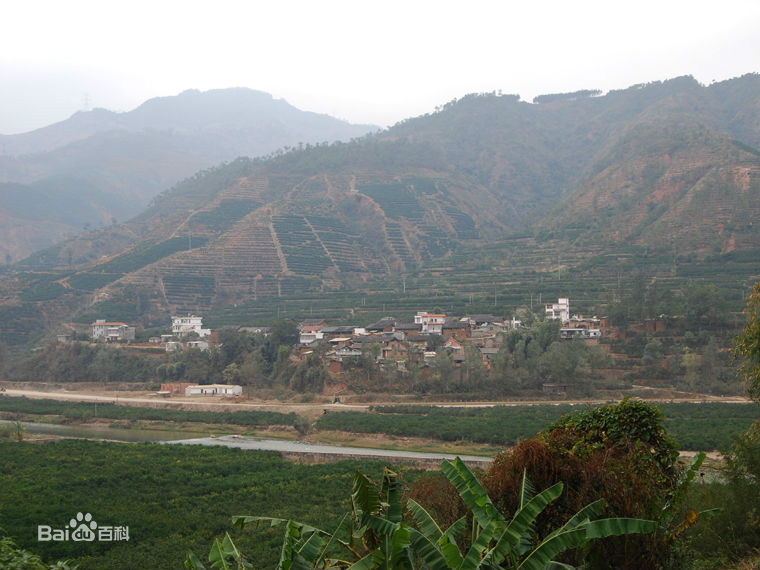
(747, 345)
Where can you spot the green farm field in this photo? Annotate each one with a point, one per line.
(173, 498)
(694, 426)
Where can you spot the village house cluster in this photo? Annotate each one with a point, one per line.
(391, 341)
(421, 338)
(187, 332)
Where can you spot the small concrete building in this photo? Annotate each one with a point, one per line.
(214, 390)
(559, 310)
(431, 323)
(183, 326)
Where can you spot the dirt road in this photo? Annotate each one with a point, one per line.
(309, 409)
(202, 403)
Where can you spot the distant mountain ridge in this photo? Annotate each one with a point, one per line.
(121, 160)
(192, 110)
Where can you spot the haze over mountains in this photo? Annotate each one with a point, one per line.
(99, 166)
(662, 170)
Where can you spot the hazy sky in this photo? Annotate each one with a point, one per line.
(360, 60)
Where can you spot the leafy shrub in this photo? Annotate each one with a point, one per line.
(619, 453)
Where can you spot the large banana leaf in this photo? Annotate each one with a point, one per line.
(193, 562)
(371, 561)
(425, 522)
(302, 544)
(224, 555)
(394, 554)
(472, 492)
(557, 543)
(429, 551)
(400, 555)
(618, 526)
(438, 549)
(584, 515)
(527, 491)
(299, 547)
(391, 492)
(448, 544)
(473, 558)
(521, 523)
(365, 500)
(575, 535)
(217, 557)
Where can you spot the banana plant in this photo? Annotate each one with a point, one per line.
(377, 520)
(224, 555)
(378, 539)
(501, 543)
(673, 531)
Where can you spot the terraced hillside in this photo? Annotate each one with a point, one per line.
(490, 201)
(274, 234)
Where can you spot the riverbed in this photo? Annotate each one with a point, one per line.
(314, 451)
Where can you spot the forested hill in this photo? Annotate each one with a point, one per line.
(99, 166)
(666, 166)
(532, 155)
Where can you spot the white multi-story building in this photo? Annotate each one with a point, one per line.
(431, 324)
(112, 331)
(559, 310)
(183, 326)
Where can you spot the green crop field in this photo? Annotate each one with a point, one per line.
(87, 411)
(172, 498)
(703, 426)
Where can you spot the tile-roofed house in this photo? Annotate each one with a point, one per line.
(339, 341)
(312, 325)
(408, 328)
(420, 340)
(484, 319)
(311, 330)
(361, 342)
(337, 331)
(455, 327)
(386, 324)
(395, 349)
(488, 355)
(454, 345)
